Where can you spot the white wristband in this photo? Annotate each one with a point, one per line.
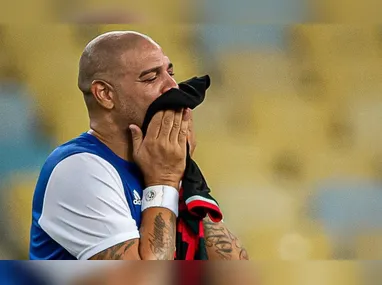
(161, 196)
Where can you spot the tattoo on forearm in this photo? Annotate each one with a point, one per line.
(243, 252)
(225, 244)
(115, 252)
(161, 241)
(216, 237)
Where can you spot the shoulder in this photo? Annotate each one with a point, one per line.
(85, 171)
(76, 169)
(81, 155)
(85, 163)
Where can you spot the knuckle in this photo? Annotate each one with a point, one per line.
(162, 145)
(167, 121)
(176, 125)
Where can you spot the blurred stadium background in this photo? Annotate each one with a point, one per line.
(289, 137)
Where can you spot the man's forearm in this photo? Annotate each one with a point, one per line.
(157, 240)
(221, 243)
(158, 232)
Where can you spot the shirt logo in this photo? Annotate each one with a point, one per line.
(137, 199)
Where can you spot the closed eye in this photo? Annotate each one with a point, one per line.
(151, 79)
(156, 71)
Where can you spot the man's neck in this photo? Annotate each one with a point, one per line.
(118, 141)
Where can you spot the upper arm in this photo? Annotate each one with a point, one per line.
(85, 209)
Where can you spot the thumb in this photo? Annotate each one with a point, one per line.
(137, 136)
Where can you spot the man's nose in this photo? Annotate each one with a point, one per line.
(169, 84)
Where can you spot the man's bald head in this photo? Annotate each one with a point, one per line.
(102, 58)
(121, 74)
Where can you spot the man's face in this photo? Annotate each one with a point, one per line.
(149, 74)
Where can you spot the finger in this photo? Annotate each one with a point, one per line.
(186, 114)
(137, 136)
(191, 133)
(155, 124)
(182, 137)
(191, 138)
(167, 122)
(176, 126)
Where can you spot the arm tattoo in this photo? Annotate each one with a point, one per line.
(243, 252)
(216, 236)
(115, 252)
(224, 243)
(162, 239)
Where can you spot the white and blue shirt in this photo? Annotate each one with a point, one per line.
(86, 200)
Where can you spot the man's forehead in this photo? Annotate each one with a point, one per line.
(140, 59)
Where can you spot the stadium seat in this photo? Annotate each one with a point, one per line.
(16, 203)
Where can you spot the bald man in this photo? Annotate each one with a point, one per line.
(87, 202)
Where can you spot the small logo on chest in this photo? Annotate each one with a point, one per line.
(137, 199)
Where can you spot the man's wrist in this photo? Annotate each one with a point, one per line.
(163, 196)
(168, 183)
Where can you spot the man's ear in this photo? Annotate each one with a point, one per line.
(103, 92)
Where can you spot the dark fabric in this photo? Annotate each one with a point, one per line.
(195, 199)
